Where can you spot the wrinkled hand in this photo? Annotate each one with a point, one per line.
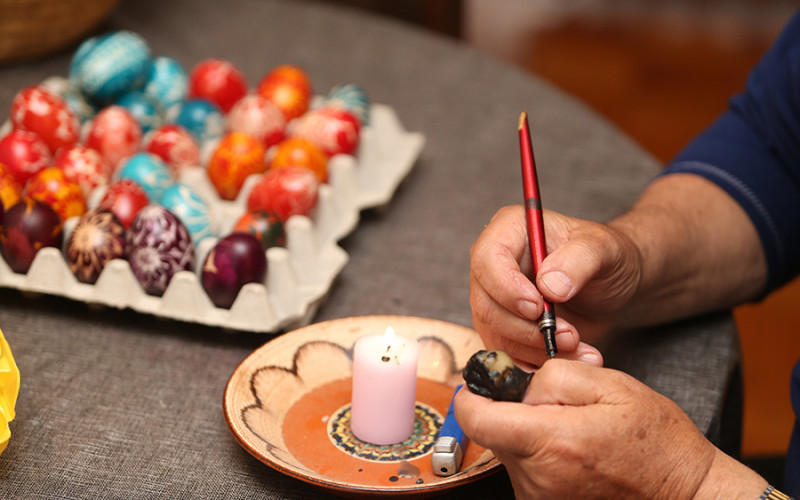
(591, 272)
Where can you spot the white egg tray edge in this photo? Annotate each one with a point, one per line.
(299, 275)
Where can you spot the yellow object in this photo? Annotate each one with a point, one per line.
(9, 389)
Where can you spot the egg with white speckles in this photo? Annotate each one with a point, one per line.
(167, 81)
(352, 98)
(150, 172)
(190, 208)
(202, 118)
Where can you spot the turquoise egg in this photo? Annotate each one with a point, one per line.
(144, 109)
(167, 81)
(150, 172)
(192, 210)
(352, 98)
(202, 119)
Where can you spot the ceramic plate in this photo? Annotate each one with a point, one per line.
(287, 402)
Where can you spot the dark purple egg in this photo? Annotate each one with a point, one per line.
(27, 227)
(98, 238)
(158, 245)
(234, 261)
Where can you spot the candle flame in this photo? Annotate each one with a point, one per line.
(389, 334)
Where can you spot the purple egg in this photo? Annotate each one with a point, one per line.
(98, 238)
(158, 246)
(27, 227)
(234, 261)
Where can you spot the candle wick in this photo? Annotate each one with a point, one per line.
(385, 359)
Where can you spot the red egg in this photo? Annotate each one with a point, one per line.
(218, 81)
(125, 198)
(285, 192)
(259, 117)
(238, 156)
(289, 87)
(27, 227)
(234, 261)
(24, 153)
(266, 227)
(38, 110)
(97, 239)
(10, 189)
(83, 165)
(176, 146)
(52, 186)
(333, 130)
(115, 134)
(300, 152)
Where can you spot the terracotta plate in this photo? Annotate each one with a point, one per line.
(287, 404)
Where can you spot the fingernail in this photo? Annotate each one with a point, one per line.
(528, 309)
(557, 282)
(589, 358)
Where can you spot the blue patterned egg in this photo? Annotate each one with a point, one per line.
(167, 81)
(202, 119)
(104, 67)
(352, 98)
(192, 210)
(150, 172)
(145, 109)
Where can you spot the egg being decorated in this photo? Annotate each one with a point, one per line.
(219, 81)
(150, 172)
(53, 187)
(24, 153)
(10, 189)
(27, 227)
(289, 87)
(39, 110)
(300, 152)
(352, 98)
(266, 227)
(333, 130)
(97, 239)
(190, 208)
(158, 246)
(125, 198)
(166, 81)
(202, 118)
(234, 261)
(145, 109)
(83, 165)
(258, 117)
(237, 156)
(175, 145)
(115, 134)
(285, 192)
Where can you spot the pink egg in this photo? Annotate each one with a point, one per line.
(84, 165)
(218, 81)
(115, 134)
(24, 153)
(175, 145)
(38, 110)
(332, 130)
(258, 117)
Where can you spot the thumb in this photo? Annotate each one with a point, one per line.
(572, 383)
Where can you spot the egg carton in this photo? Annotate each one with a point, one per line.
(299, 275)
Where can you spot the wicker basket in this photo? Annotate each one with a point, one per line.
(35, 28)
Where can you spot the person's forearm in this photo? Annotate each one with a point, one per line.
(699, 251)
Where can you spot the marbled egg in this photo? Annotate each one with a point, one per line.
(158, 246)
(145, 109)
(333, 130)
(10, 189)
(289, 87)
(84, 165)
(166, 81)
(39, 110)
(125, 198)
(150, 172)
(352, 98)
(24, 153)
(219, 81)
(285, 192)
(266, 227)
(300, 152)
(175, 145)
(202, 118)
(115, 134)
(235, 260)
(237, 157)
(27, 227)
(105, 67)
(54, 188)
(97, 239)
(190, 208)
(258, 117)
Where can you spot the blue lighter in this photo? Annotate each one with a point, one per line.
(448, 451)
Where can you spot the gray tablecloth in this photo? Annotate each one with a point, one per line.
(116, 404)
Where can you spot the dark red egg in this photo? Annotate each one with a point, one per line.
(234, 261)
(24, 153)
(98, 238)
(27, 227)
(219, 81)
(175, 145)
(38, 110)
(285, 192)
(124, 198)
(266, 227)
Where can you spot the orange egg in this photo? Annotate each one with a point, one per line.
(10, 189)
(53, 187)
(300, 152)
(238, 156)
(289, 88)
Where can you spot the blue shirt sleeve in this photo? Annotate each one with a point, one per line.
(753, 152)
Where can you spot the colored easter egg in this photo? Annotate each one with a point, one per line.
(235, 260)
(10, 189)
(24, 153)
(115, 134)
(237, 156)
(158, 246)
(144, 109)
(105, 67)
(266, 227)
(258, 117)
(175, 145)
(150, 172)
(97, 239)
(285, 192)
(202, 118)
(300, 152)
(83, 165)
(166, 81)
(52, 186)
(125, 198)
(219, 81)
(27, 227)
(190, 208)
(289, 87)
(352, 98)
(333, 130)
(39, 110)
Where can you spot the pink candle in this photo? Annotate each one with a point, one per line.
(384, 388)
